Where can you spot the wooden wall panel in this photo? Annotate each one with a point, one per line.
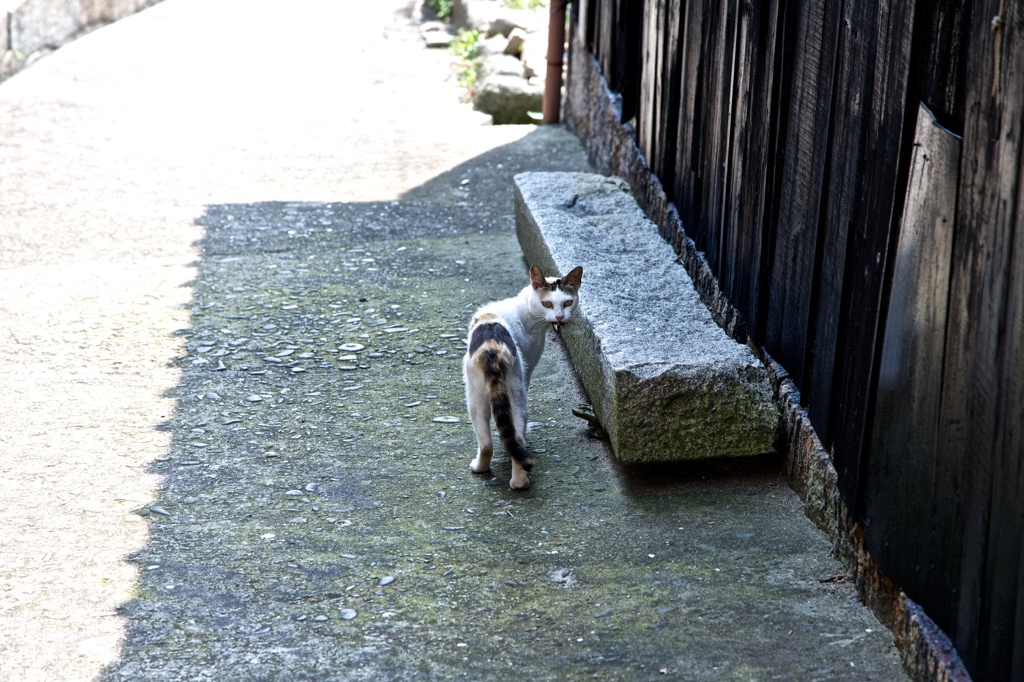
(1017, 655)
(628, 51)
(650, 74)
(864, 200)
(606, 30)
(664, 155)
(901, 470)
(584, 14)
(997, 183)
(687, 186)
(716, 97)
(998, 631)
(979, 384)
(783, 132)
(937, 75)
(803, 150)
(751, 163)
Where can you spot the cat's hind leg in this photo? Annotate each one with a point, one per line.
(520, 480)
(479, 405)
(524, 462)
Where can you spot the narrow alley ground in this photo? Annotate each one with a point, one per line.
(239, 244)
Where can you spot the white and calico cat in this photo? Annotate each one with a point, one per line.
(506, 339)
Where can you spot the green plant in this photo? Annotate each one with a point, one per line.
(466, 44)
(525, 4)
(466, 48)
(443, 8)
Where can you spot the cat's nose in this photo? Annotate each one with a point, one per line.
(559, 317)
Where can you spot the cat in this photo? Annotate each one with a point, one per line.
(506, 340)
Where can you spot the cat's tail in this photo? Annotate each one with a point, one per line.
(501, 407)
(497, 360)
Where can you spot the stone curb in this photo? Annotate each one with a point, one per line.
(35, 27)
(666, 382)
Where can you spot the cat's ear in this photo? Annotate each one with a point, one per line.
(537, 280)
(573, 279)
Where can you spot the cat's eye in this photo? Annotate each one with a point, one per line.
(547, 304)
(568, 303)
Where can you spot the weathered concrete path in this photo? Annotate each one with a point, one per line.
(239, 241)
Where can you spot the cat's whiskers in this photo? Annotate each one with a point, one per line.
(536, 324)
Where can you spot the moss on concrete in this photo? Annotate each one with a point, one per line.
(309, 483)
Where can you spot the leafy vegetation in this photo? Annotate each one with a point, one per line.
(466, 48)
(442, 7)
(525, 4)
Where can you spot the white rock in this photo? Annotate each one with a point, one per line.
(516, 41)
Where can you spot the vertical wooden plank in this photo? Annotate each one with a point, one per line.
(954, 474)
(664, 155)
(708, 130)
(720, 43)
(733, 267)
(583, 16)
(996, 635)
(650, 67)
(752, 123)
(937, 66)
(626, 72)
(687, 187)
(1017, 657)
(866, 164)
(901, 468)
(800, 184)
(902, 454)
(975, 391)
(779, 108)
(607, 36)
(943, 32)
(844, 161)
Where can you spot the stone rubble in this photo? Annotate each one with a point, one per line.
(513, 55)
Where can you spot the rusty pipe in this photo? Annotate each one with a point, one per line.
(556, 47)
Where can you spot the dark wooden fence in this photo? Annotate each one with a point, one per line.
(852, 171)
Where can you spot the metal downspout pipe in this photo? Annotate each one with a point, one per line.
(556, 47)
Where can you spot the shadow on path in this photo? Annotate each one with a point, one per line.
(318, 519)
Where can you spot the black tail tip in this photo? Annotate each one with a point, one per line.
(522, 456)
(525, 460)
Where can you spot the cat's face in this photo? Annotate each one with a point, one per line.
(556, 298)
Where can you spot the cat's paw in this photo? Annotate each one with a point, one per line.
(480, 465)
(519, 481)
